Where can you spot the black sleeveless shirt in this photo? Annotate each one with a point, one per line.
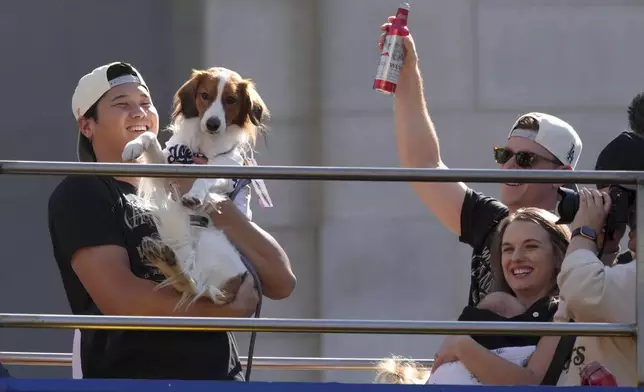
(541, 311)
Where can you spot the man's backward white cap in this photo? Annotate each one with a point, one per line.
(555, 135)
(91, 88)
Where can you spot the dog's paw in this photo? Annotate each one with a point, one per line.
(153, 250)
(222, 186)
(197, 195)
(134, 149)
(190, 201)
(194, 198)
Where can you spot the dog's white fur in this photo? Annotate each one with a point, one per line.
(397, 370)
(205, 255)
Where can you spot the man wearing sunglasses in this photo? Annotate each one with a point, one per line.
(535, 141)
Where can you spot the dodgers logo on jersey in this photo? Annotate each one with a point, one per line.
(180, 154)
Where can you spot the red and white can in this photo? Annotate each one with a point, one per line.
(595, 374)
(393, 53)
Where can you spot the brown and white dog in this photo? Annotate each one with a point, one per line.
(218, 115)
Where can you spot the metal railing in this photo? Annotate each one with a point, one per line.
(276, 363)
(320, 173)
(14, 320)
(342, 174)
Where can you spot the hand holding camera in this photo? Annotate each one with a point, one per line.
(620, 199)
(594, 207)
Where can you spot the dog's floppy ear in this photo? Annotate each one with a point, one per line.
(254, 105)
(184, 101)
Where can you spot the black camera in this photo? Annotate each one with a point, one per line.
(622, 201)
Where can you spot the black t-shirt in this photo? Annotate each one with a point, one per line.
(541, 311)
(86, 211)
(480, 216)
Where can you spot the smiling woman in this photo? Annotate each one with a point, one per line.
(527, 252)
(526, 256)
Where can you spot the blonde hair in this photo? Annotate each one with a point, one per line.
(398, 370)
(559, 237)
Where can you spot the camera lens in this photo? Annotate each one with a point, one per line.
(568, 205)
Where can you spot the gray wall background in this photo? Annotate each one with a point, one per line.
(360, 250)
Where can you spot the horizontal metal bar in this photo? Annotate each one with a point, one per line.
(14, 320)
(321, 173)
(282, 363)
(34, 358)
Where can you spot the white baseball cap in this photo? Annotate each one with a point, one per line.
(554, 134)
(91, 88)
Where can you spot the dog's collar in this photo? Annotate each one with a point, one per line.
(198, 220)
(200, 155)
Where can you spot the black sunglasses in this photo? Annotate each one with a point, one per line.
(524, 159)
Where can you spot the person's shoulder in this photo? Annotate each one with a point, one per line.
(624, 258)
(78, 188)
(479, 198)
(473, 313)
(543, 309)
(625, 268)
(479, 216)
(76, 184)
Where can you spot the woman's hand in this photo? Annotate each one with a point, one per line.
(594, 207)
(450, 350)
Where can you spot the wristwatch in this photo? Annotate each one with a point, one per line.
(586, 232)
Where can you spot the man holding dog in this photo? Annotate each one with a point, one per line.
(536, 141)
(96, 228)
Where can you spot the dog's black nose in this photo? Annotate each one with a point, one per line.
(213, 124)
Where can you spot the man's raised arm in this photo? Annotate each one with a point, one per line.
(418, 145)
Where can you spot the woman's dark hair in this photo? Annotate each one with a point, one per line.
(559, 237)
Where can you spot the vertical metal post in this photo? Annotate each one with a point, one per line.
(639, 311)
